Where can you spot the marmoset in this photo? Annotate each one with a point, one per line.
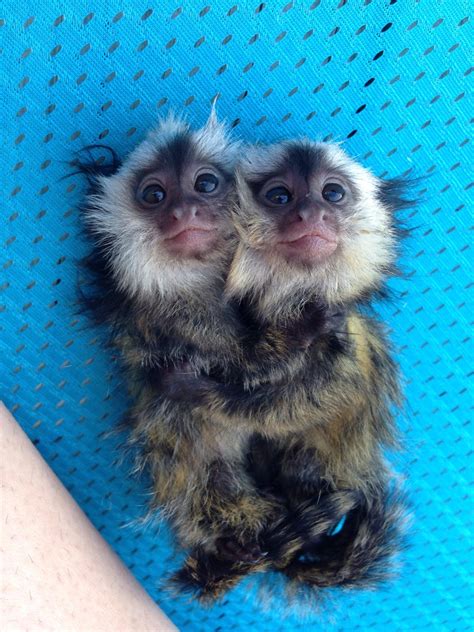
(160, 226)
(318, 238)
(241, 354)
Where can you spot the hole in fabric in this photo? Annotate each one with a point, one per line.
(338, 528)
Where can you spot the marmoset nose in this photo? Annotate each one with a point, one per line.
(185, 210)
(178, 212)
(312, 213)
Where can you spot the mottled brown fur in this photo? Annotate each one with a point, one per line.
(163, 311)
(214, 362)
(325, 412)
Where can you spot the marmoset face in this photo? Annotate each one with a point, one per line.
(164, 217)
(313, 216)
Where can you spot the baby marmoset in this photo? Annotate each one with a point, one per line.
(268, 369)
(317, 240)
(162, 236)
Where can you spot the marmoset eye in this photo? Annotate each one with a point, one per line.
(333, 192)
(206, 183)
(153, 194)
(278, 196)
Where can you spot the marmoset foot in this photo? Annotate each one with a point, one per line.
(232, 550)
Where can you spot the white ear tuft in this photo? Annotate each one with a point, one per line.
(212, 120)
(214, 141)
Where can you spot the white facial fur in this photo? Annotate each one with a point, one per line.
(138, 263)
(365, 253)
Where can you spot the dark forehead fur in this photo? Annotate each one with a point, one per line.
(177, 154)
(303, 159)
(179, 151)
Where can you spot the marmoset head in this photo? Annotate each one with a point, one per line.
(162, 220)
(311, 219)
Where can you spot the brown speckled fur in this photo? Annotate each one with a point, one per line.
(213, 366)
(323, 422)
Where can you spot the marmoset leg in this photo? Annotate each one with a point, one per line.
(200, 482)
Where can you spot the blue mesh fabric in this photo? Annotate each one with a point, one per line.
(386, 78)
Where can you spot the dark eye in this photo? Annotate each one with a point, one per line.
(278, 195)
(153, 194)
(333, 192)
(206, 183)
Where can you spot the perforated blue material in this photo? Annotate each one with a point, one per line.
(388, 79)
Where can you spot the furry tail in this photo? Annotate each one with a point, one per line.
(360, 555)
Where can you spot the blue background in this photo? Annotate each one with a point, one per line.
(388, 79)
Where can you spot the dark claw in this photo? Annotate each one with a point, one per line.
(233, 551)
(315, 321)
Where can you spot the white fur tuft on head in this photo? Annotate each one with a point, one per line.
(214, 143)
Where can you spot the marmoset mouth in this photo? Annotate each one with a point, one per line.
(311, 245)
(192, 240)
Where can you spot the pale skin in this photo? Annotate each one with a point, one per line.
(56, 571)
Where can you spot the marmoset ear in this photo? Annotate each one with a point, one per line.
(92, 163)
